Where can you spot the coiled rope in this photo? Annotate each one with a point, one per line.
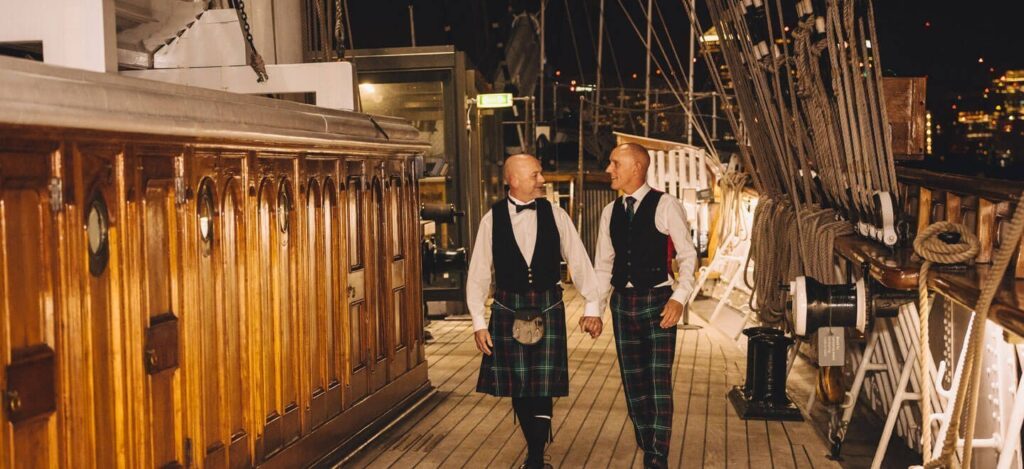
(934, 250)
(775, 251)
(967, 396)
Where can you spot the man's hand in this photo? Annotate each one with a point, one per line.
(592, 325)
(483, 341)
(671, 314)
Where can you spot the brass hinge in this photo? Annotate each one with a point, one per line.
(56, 188)
(179, 181)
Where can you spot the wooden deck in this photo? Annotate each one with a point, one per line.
(458, 427)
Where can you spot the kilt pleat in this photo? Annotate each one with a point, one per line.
(517, 370)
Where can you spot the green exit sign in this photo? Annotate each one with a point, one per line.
(494, 100)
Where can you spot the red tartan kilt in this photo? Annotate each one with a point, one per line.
(517, 370)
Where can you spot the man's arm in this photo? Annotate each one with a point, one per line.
(671, 219)
(604, 258)
(576, 257)
(478, 279)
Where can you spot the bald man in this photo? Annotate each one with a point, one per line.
(524, 238)
(639, 235)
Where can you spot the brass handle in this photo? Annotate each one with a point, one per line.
(151, 360)
(13, 401)
(351, 291)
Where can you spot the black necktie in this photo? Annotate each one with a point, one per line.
(629, 208)
(529, 206)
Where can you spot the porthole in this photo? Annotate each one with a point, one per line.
(284, 205)
(204, 216)
(97, 227)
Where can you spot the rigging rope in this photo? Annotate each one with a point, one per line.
(967, 396)
(572, 35)
(697, 124)
(933, 250)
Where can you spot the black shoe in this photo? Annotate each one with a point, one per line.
(653, 461)
(537, 465)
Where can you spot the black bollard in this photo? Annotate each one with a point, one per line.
(778, 353)
(763, 396)
(752, 332)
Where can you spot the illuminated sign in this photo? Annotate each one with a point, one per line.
(494, 100)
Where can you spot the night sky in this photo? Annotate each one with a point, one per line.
(942, 40)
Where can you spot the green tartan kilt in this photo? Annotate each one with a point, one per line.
(517, 370)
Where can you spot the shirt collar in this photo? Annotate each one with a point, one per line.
(638, 194)
(514, 201)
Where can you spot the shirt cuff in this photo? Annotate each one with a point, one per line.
(682, 295)
(592, 309)
(479, 323)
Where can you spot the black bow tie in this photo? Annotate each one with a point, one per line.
(529, 206)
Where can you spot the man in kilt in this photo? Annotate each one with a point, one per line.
(640, 234)
(524, 238)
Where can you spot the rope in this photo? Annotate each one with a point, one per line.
(732, 184)
(775, 252)
(933, 250)
(972, 365)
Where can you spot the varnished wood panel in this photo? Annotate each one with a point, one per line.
(269, 345)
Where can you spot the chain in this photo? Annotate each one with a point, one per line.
(255, 59)
(836, 432)
(339, 29)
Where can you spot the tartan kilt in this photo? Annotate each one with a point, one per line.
(517, 370)
(646, 353)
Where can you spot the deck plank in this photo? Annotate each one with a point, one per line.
(735, 429)
(716, 447)
(682, 382)
(693, 433)
(458, 427)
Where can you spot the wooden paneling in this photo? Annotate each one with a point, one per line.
(200, 305)
(175, 273)
(28, 298)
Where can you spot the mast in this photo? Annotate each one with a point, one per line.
(689, 84)
(647, 78)
(540, 78)
(600, 49)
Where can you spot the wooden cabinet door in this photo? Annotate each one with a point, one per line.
(333, 299)
(380, 304)
(277, 250)
(358, 324)
(397, 275)
(214, 247)
(319, 301)
(155, 246)
(28, 302)
(99, 191)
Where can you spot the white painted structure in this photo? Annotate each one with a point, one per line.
(74, 33)
(687, 173)
(190, 60)
(332, 82)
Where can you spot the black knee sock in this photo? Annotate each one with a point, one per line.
(535, 419)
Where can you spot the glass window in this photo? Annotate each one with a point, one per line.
(421, 102)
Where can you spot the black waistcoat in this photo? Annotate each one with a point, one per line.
(643, 255)
(511, 273)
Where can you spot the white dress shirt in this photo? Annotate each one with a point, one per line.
(524, 227)
(669, 219)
